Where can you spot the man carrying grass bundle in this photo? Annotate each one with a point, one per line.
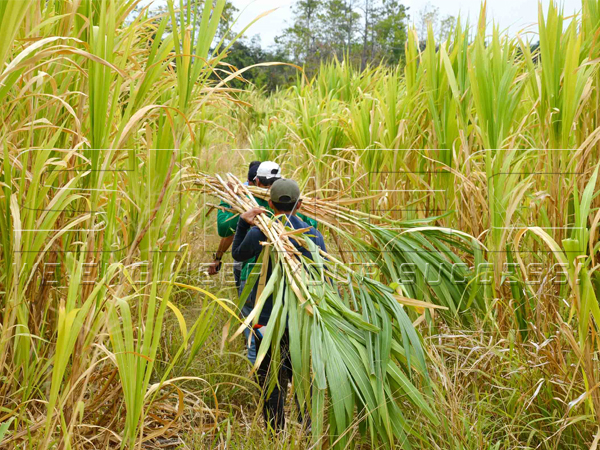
(284, 201)
(226, 224)
(262, 175)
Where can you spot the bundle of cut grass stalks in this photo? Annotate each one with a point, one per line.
(353, 346)
(422, 261)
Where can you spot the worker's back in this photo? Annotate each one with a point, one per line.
(247, 245)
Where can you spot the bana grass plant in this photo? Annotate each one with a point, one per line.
(100, 111)
(106, 118)
(483, 130)
(489, 134)
(352, 343)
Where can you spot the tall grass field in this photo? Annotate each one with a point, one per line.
(457, 194)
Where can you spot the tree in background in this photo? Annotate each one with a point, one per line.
(442, 26)
(244, 52)
(364, 32)
(390, 31)
(247, 52)
(361, 32)
(300, 41)
(339, 22)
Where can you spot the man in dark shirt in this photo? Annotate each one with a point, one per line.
(284, 200)
(262, 175)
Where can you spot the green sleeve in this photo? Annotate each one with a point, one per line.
(226, 221)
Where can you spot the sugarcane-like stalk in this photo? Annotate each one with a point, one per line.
(350, 337)
(430, 250)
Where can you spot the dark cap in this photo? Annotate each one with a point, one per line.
(285, 191)
(252, 168)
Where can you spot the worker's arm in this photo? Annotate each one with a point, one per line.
(227, 221)
(224, 245)
(246, 242)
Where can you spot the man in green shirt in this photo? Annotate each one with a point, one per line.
(266, 174)
(224, 221)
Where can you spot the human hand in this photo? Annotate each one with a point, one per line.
(214, 267)
(250, 215)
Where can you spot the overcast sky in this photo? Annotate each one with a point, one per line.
(513, 15)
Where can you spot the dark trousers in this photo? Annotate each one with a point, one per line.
(274, 402)
(237, 276)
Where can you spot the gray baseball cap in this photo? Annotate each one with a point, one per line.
(285, 191)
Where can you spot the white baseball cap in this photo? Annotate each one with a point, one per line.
(269, 169)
